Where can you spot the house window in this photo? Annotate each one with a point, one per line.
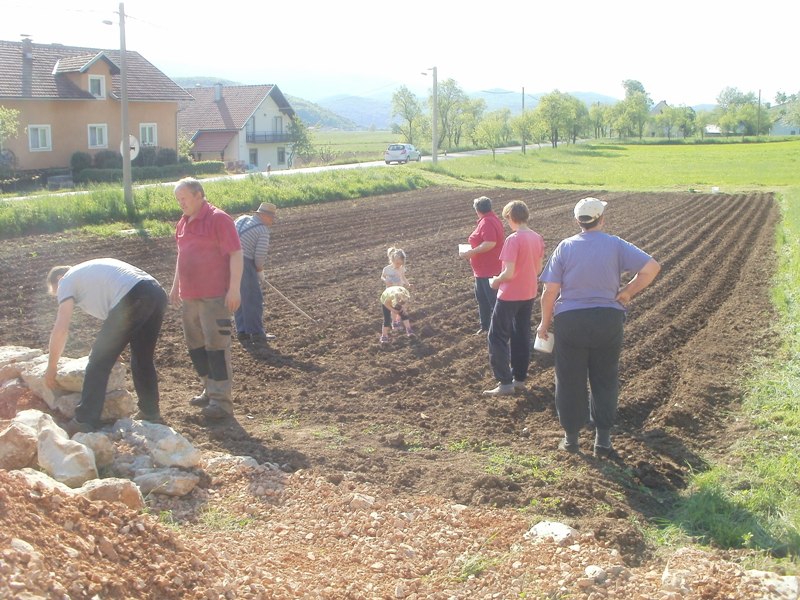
(39, 138)
(98, 136)
(254, 156)
(97, 86)
(281, 156)
(277, 124)
(148, 134)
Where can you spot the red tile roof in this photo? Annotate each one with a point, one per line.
(43, 74)
(236, 106)
(212, 141)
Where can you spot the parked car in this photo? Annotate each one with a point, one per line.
(401, 154)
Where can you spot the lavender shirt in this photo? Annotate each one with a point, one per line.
(588, 266)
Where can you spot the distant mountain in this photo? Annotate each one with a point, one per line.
(499, 99)
(366, 113)
(314, 115)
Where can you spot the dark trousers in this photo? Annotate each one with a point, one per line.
(135, 320)
(250, 314)
(588, 346)
(510, 340)
(486, 297)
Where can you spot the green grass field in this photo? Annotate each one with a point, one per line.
(359, 145)
(731, 167)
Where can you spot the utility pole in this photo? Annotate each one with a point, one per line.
(523, 125)
(435, 125)
(126, 143)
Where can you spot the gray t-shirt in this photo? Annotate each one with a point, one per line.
(588, 266)
(98, 285)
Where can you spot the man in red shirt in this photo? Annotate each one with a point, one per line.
(207, 281)
(486, 242)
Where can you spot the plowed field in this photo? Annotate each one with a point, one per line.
(327, 396)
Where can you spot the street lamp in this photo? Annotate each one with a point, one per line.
(434, 125)
(125, 133)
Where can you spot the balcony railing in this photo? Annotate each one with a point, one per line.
(262, 137)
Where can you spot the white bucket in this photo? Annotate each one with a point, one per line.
(545, 345)
(715, 190)
(463, 249)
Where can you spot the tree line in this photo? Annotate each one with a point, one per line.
(562, 118)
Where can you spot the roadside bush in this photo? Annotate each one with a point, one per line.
(94, 175)
(146, 157)
(108, 159)
(166, 156)
(80, 161)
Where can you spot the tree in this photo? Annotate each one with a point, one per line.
(9, 124)
(600, 119)
(301, 141)
(493, 130)
(470, 115)
(741, 113)
(667, 120)
(554, 111)
(407, 107)
(789, 107)
(632, 87)
(703, 119)
(577, 119)
(451, 100)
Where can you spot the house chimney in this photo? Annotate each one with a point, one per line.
(217, 92)
(27, 67)
(27, 48)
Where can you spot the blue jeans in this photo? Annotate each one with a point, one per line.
(510, 340)
(486, 297)
(135, 320)
(250, 314)
(588, 346)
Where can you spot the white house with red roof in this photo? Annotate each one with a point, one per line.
(239, 124)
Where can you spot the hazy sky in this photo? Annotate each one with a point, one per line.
(684, 52)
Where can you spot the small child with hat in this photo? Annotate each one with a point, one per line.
(394, 301)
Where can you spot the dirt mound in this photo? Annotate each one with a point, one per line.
(96, 549)
(327, 397)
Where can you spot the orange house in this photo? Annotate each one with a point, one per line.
(69, 100)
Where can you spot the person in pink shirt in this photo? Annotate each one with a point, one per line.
(516, 285)
(207, 282)
(486, 242)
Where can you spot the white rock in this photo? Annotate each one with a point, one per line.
(558, 532)
(100, 445)
(598, 574)
(66, 461)
(169, 482)
(72, 372)
(11, 356)
(32, 373)
(18, 445)
(37, 480)
(113, 489)
(777, 587)
(119, 403)
(37, 420)
(227, 460)
(167, 447)
(361, 501)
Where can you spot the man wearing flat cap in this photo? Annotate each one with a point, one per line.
(254, 231)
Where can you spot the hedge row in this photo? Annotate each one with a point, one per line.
(167, 172)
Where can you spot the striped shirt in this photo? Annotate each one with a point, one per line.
(254, 235)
